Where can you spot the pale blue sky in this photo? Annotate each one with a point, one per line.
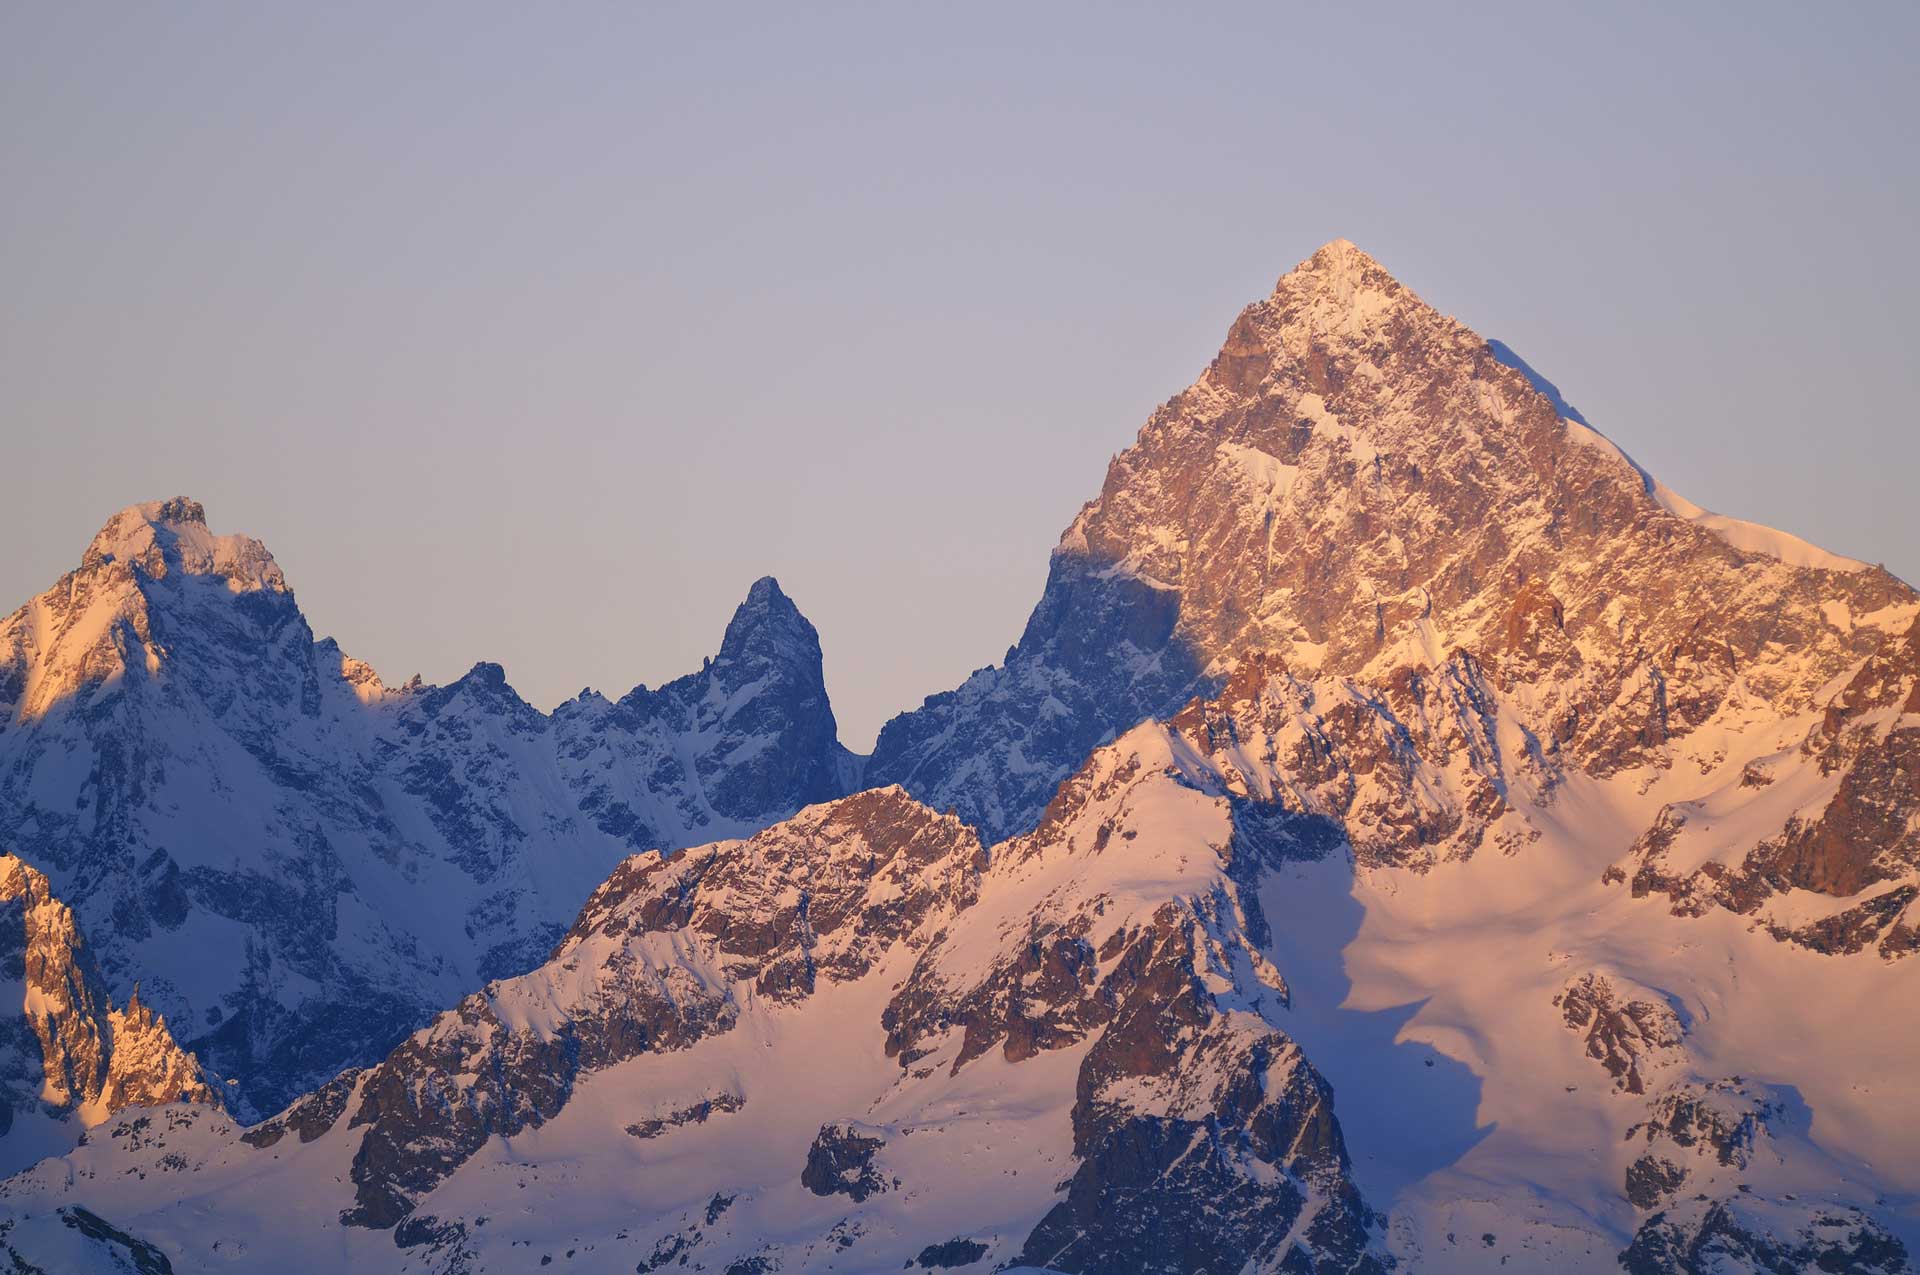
(535, 334)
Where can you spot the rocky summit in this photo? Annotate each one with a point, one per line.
(1407, 836)
(1362, 488)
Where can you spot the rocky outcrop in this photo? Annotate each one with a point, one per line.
(1722, 1121)
(1410, 773)
(1632, 1038)
(311, 1117)
(140, 1256)
(723, 1103)
(1744, 1235)
(1702, 1186)
(959, 1251)
(69, 1052)
(485, 1071)
(657, 961)
(362, 855)
(1202, 1144)
(1858, 841)
(820, 897)
(840, 1162)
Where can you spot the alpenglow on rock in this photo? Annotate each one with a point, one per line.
(70, 1059)
(1359, 484)
(298, 863)
(1458, 768)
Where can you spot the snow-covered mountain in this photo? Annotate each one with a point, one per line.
(1407, 836)
(1362, 487)
(299, 864)
(1175, 1027)
(857, 1039)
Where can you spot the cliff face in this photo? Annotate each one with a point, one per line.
(70, 1056)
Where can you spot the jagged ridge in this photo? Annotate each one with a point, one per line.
(300, 863)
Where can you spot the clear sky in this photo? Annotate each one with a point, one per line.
(536, 333)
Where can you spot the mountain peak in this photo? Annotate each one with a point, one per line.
(766, 592)
(1363, 484)
(486, 673)
(1338, 256)
(1338, 297)
(767, 623)
(180, 509)
(160, 536)
(130, 532)
(1339, 265)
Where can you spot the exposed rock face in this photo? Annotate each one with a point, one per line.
(311, 1117)
(958, 1251)
(1743, 1235)
(1631, 1038)
(1861, 843)
(1703, 1142)
(139, 1256)
(299, 864)
(723, 1103)
(1362, 486)
(652, 964)
(1722, 1121)
(1203, 1136)
(68, 1051)
(486, 1070)
(1181, 1186)
(1408, 774)
(840, 1162)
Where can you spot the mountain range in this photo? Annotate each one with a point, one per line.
(1406, 836)
(301, 864)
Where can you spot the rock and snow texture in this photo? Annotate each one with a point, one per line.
(1715, 1164)
(1383, 731)
(1827, 852)
(1112, 1044)
(299, 864)
(1362, 486)
(1631, 1037)
(70, 1059)
(1065, 1050)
